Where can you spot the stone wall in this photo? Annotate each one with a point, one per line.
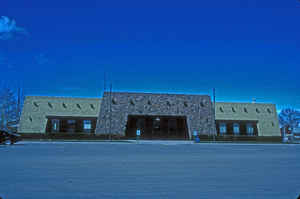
(197, 109)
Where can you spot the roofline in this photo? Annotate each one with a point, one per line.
(151, 93)
(259, 103)
(62, 97)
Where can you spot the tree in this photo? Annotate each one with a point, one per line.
(10, 109)
(289, 118)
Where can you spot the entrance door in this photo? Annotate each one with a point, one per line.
(157, 127)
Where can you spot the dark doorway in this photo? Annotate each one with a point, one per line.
(157, 127)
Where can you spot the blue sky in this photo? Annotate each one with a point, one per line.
(244, 49)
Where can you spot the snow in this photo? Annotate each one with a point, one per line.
(148, 169)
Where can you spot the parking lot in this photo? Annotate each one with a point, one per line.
(149, 169)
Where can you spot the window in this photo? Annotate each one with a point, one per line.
(269, 111)
(87, 126)
(64, 105)
(273, 124)
(221, 109)
(149, 102)
(132, 102)
(168, 103)
(71, 126)
(233, 110)
(223, 128)
(236, 129)
(185, 104)
(78, 106)
(54, 126)
(114, 101)
(245, 110)
(92, 106)
(35, 104)
(156, 123)
(250, 129)
(257, 110)
(50, 105)
(202, 104)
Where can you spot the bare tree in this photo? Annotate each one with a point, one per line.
(10, 109)
(289, 118)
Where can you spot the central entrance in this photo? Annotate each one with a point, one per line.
(157, 127)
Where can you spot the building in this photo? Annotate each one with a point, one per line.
(157, 116)
(44, 115)
(252, 119)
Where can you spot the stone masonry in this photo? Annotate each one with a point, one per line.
(197, 109)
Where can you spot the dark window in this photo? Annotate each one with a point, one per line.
(257, 110)
(185, 104)
(114, 101)
(233, 110)
(156, 123)
(221, 109)
(71, 126)
(273, 124)
(50, 105)
(30, 118)
(35, 104)
(269, 111)
(202, 104)
(168, 103)
(92, 106)
(78, 106)
(245, 110)
(149, 102)
(64, 105)
(132, 102)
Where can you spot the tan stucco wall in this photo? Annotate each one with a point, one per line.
(39, 114)
(264, 118)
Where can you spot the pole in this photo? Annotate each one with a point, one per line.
(104, 81)
(105, 103)
(19, 103)
(214, 98)
(199, 109)
(110, 93)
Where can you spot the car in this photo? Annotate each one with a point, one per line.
(9, 138)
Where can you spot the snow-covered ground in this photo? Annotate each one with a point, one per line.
(148, 169)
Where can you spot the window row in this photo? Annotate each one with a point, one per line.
(60, 125)
(168, 103)
(50, 105)
(246, 110)
(237, 128)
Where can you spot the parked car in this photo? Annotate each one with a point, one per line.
(9, 138)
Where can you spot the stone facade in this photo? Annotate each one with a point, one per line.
(37, 108)
(197, 109)
(265, 114)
